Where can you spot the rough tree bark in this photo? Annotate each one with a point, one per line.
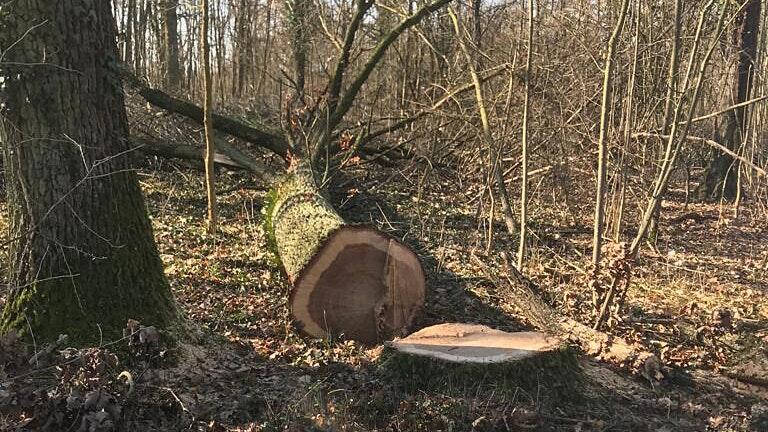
(171, 42)
(82, 256)
(722, 172)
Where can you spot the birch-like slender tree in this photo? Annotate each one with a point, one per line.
(605, 107)
(524, 156)
(210, 150)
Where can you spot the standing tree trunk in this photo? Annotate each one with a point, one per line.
(524, 156)
(171, 42)
(241, 47)
(722, 172)
(672, 72)
(82, 256)
(130, 24)
(210, 151)
(348, 280)
(597, 239)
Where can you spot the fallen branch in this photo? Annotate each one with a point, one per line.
(227, 155)
(180, 151)
(747, 378)
(696, 217)
(48, 349)
(710, 143)
(527, 296)
(263, 136)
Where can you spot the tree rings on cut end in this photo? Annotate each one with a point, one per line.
(473, 343)
(361, 285)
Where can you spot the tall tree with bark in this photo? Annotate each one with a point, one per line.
(672, 82)
(210, 150)
(171, 43)
(298, 18)
(130, 24)
(82, 259)
(722, 173)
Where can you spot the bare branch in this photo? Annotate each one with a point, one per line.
(341, 67)
(710, 143)
(345, 103)
(730, 108)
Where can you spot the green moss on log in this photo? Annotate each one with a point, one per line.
(267, 209)
(298, 220)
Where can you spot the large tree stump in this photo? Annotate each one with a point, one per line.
(455, 355)
(348, 281)
(474, 343)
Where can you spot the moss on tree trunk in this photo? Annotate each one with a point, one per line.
(299, 220)
(82, 257)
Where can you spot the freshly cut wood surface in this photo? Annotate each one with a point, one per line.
(473, 343)
(360, 284)
(348, 281)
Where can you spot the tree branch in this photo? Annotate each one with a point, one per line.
(226, 155)
(349, 96)
(262, 135)
(338, 76)
(710, 143)
(401, 123)
(730, 108)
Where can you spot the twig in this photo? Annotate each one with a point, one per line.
(48, 349)
(730, 108)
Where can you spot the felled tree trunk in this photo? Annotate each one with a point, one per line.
(348, 281)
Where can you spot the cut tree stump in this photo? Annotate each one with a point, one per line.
(348, 281)
(473, 343)
(461, 356)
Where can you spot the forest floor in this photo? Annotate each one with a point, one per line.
(700, 302)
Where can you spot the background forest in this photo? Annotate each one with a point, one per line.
(594, 170)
